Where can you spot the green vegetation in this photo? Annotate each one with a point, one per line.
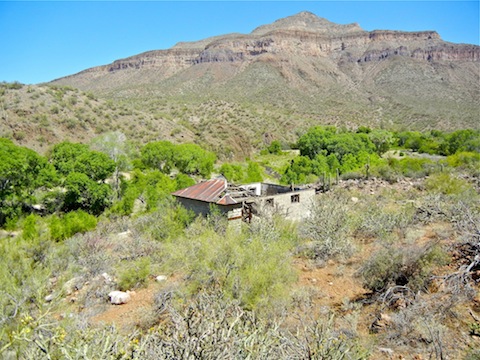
(88, 219)
(187, 158)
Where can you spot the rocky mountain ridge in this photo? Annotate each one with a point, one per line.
(308, 66)
(303, 34)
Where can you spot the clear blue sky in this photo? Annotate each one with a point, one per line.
(42, 41)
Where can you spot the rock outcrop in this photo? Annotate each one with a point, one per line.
(303, 34)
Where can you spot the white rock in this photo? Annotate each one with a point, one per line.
(108, 279)
(119, 297)
(161, 278)
(49, 298)
(354, 199)
(124, 234)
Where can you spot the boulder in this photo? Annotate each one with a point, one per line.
(119, 297)
(161, 278)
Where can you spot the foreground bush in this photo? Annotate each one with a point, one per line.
(328, 229)
(209, 326)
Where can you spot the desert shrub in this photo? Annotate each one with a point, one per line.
(465, 160)
(208, 326)
(472, 354)
(386, 172)
(252, 267)
(409, 266)
(327, 230)
(167, 222)
(211, 326)
(447, 184)
(415, 168)
(135, 274)
(380, 220)
(30, 228)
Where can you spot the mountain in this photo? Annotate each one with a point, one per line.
(305, 70)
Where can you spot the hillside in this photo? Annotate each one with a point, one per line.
(38, 116)
(305, 68)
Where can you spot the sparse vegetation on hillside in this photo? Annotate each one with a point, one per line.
(404, 224)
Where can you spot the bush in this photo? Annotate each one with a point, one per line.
(252, 267)
(406, 266)
(135, 274)
(30, 228)
(446, 184)
(70, 224)
(328, 229)
(275, 147)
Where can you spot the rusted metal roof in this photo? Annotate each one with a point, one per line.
(209, 191)
(227, 200)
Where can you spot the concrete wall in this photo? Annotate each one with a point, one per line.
(294, 205)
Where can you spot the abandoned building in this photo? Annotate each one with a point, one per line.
(244, 202)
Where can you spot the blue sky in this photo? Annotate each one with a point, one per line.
(42, 41)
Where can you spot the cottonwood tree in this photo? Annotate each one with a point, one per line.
(115, 145)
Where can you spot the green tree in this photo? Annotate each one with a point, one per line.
(462, 140)
(382, 140)
(275, 147)
(183, 181)
(158, 155)
(22, 171)
(70, 157)
(314, 141)
(84, 193)
(192, 159)
(232, 172)
(64, 156)
(254, 173)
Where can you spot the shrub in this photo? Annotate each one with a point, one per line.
(328, 228)
(406, 266)
(446, 184)
(30, 228)
(252, 267)
(465, 160)
(70, 224)
(275, 147)
(135, 274)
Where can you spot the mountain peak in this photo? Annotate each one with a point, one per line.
(306, 21)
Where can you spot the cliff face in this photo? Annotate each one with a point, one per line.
(303, 35)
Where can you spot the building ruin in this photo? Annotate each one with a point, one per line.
(245, 202)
